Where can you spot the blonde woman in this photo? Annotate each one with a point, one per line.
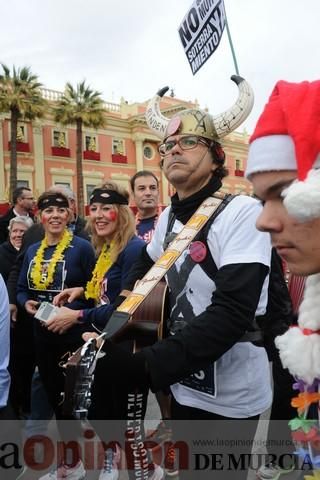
(112, 227)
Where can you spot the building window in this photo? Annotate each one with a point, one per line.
(22, 144)
(59, 139)
(62, 184)
(22, 183)
(90, 143)
(89, 190)
(117, 146)
(148, 152)
(238, 170)
(90, 148)
(59, 144)
(21, 133)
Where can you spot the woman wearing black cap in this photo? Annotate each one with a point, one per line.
(60, 260)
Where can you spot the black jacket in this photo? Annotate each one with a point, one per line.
(8, 255)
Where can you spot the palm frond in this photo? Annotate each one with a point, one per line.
(80, 103)
(20, 91)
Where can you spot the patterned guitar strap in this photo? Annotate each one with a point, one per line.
(175, 248)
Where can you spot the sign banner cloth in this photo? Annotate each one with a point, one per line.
(201, 30)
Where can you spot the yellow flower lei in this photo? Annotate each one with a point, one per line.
(39, 282)
(102, 266)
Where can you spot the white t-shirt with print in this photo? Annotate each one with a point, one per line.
(239, 385)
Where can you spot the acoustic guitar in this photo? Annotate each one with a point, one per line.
(145, 327)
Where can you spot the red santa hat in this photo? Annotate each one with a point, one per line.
(287, 137)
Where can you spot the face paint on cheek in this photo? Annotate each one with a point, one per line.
(44, 220)
(112, 216)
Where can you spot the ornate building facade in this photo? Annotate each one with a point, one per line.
(47, 151)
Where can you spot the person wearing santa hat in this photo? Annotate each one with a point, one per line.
(284, 168)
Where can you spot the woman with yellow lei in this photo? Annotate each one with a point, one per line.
(60, 260)
(112, 226)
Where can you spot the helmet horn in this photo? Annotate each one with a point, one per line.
(155, 120)
(229, 120)
(223, 123)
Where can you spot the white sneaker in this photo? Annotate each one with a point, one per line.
(110, 469)
(76, 473)
(158, 473)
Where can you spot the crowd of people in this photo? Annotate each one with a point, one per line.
(225, 287)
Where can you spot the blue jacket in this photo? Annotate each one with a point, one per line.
(113, 283)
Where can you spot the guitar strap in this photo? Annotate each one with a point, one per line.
(162, 265)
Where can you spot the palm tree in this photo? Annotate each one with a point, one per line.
(20, 94)
(81, 106)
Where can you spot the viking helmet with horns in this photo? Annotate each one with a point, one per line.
(198, 122)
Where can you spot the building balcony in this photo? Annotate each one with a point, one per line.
(239, 173)
(21, 147)
(118, 158)
(60, 152)
(91, 155)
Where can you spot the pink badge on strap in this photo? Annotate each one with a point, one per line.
(198, 251)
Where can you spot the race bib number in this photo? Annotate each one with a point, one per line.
(57, 284)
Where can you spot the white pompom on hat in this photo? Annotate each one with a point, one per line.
(299, 347)
(287, 137)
